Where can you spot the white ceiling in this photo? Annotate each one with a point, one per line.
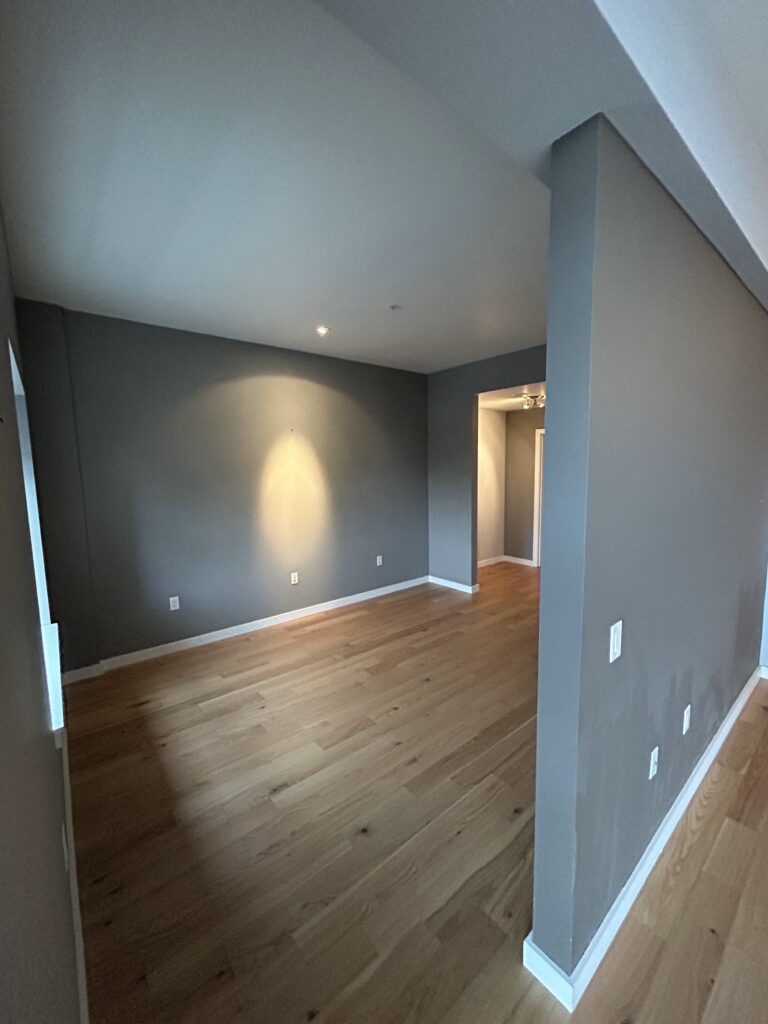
(527, 71)
(509, 399)
(740, 28)
(252, 170)
(705, 62)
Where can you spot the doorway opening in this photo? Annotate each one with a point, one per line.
(510, 463)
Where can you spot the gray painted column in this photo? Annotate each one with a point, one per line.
(569, 340)
(654, 514)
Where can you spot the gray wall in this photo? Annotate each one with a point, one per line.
(519, 480)
(210, 469)
(452, 413)
(654, 512)
(37, 978)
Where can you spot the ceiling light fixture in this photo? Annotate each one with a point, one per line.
(322, 330)
(534, 401)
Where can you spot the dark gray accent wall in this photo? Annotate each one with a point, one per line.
(654, 512)
(60, 492)
(211, 469)
(519, 480)
(38, 983)
(452, 406)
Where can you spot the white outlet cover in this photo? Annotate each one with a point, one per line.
(654, 765)
(614, 644)
(294, 578)
(379, 559)
(686, 719)
(174, 604)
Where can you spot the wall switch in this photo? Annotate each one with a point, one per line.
(294, 578)
(614, 645)
(654, 765)
(174, 604)
(686, 719)
(379, 559)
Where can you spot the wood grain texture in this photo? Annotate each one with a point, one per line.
(332, 820)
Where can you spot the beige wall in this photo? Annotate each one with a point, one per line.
(491, 449)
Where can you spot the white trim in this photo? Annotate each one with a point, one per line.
(121, 660)
(569, 989)
(538, 453)
(49, 630)
(463, 587)
(75, 675)
(548, 973)
(74, 892)
(504, 558)
(491, 561)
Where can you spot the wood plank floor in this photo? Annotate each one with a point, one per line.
(332, 821)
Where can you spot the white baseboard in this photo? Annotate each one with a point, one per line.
(505, 558)
(75, 675)
(121, 660)
(453, 585)
(569, 988)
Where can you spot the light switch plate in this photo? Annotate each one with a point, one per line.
(654, 765)
(686, 719)
(294, 578)
(173, 603)
(614, 645)
(379, 559)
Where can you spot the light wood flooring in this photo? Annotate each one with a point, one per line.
(332, 821)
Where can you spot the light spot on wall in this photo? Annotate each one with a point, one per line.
(294, 501)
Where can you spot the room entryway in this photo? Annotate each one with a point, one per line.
(510, 459)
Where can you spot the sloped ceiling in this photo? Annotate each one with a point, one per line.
(527, 71)
(253, 170)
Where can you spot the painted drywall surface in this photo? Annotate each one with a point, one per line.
(60, 492)
(674, 540)
(39, 983)
(569, 328)
(491, 457)
(519, 475)
(211, 469)
(452, 454)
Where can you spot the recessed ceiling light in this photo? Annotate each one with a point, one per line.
(322, 330)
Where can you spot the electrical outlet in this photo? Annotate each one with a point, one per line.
(294, 578)
(379, 559)
(614, 644)
(174, 603)
(654, 765)
(686, 719)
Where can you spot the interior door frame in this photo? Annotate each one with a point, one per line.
(538, 455)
